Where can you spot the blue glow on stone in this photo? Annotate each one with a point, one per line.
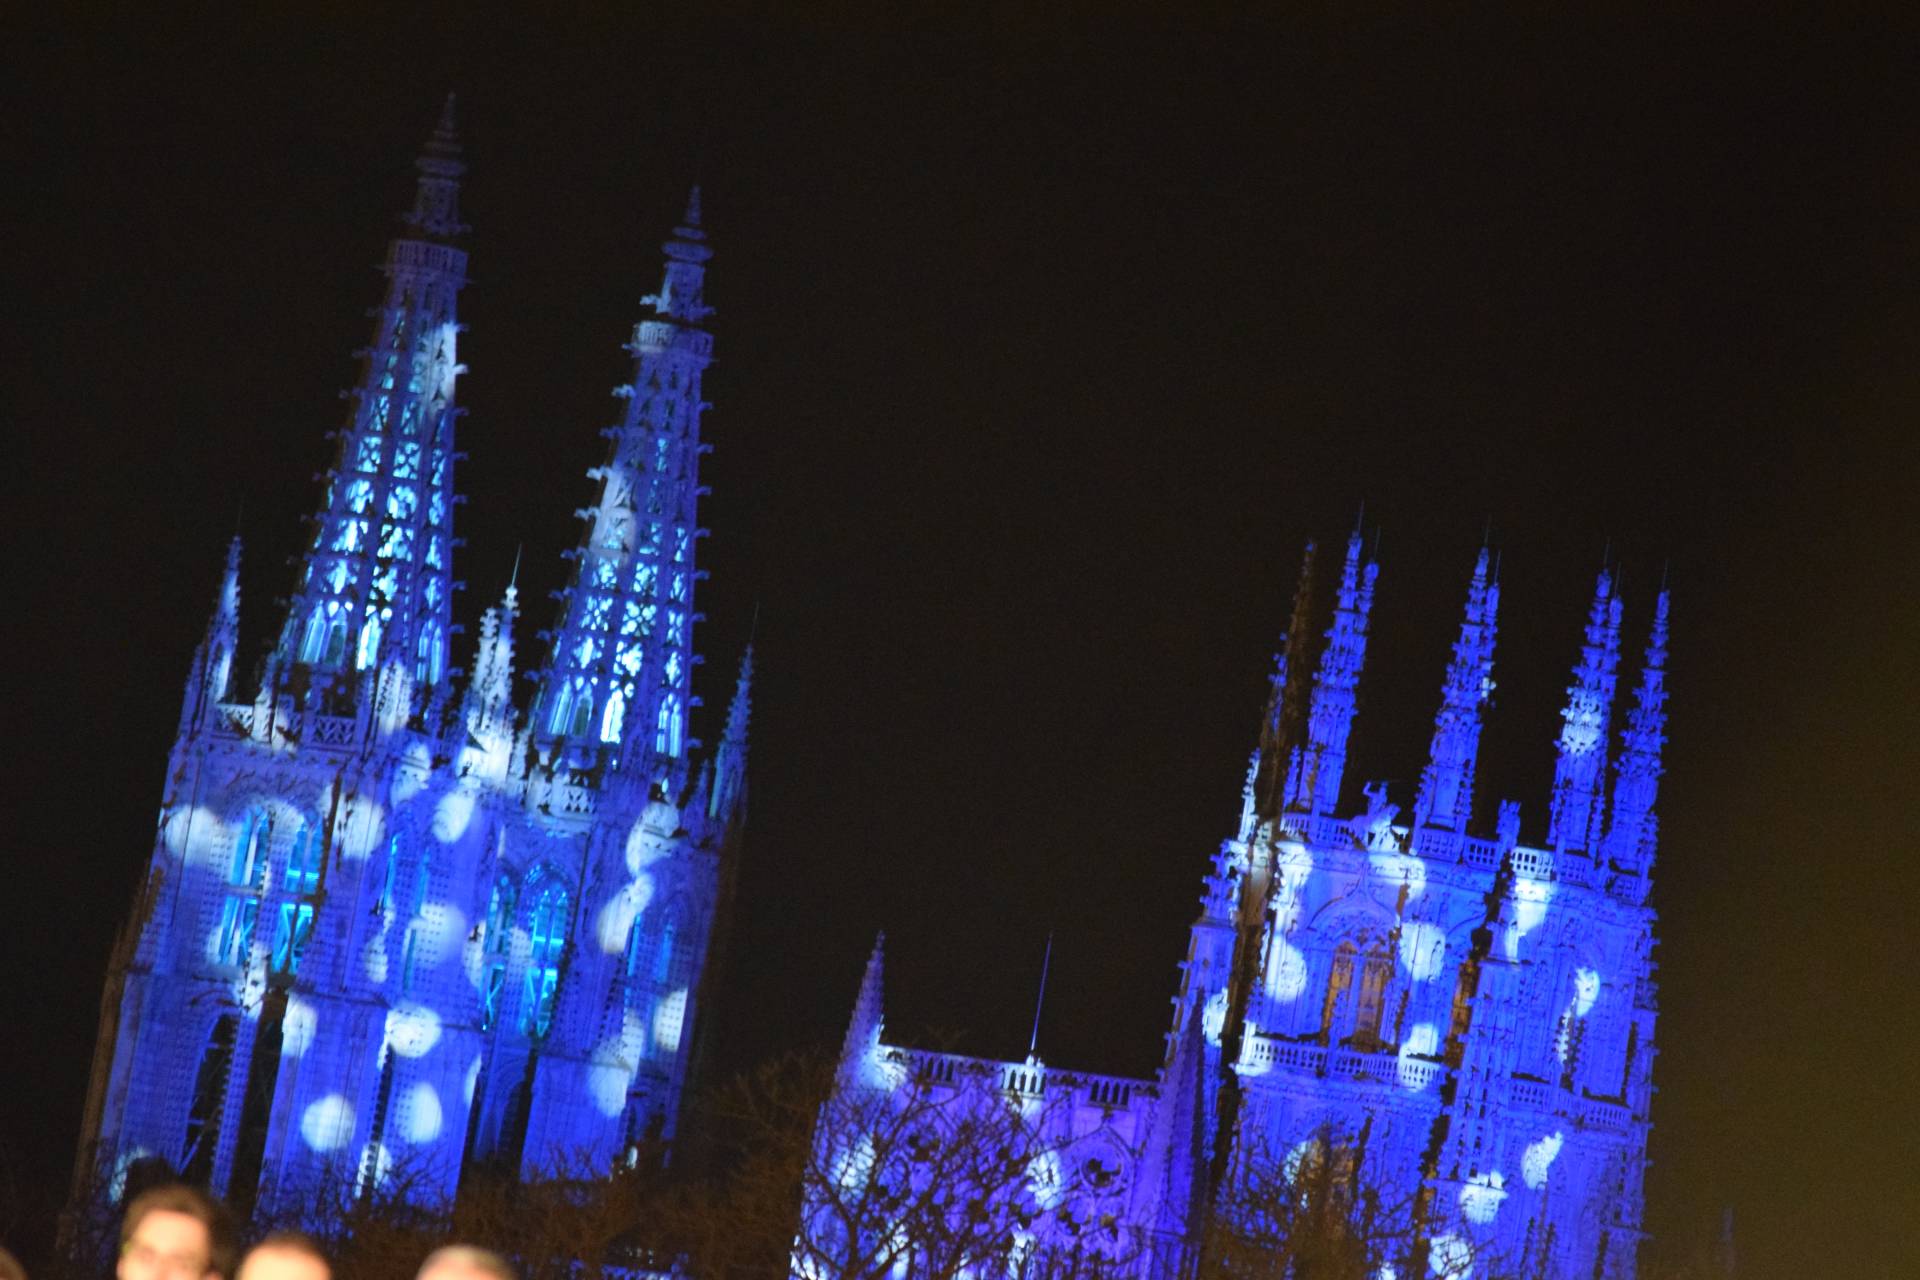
(1536, 1163)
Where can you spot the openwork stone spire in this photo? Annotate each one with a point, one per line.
(1580, 770)
(621, 663)
(730, 786)
(1635, 829)
(1445, 798)
(488, 711)
(1286, 690)
(1316, 786)
(223, 629)
(864, 1028)
(381, 557)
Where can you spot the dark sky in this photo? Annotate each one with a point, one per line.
(1043, 344)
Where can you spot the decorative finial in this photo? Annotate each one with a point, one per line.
(692, 217)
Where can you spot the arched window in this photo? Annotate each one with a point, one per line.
(369, 649)
(209, 1102)
(610, 719)
(430, 656)
(246, 880)
(1339, 980)
(336, 641)
(1371, 1004)
(499, 933)
(417, 904)
(547, 938)
(314, 643)
(1464, 990)
(666, 738)
(303, 864)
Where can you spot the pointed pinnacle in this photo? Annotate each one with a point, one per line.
(692, 216)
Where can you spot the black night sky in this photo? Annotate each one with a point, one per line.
(1043, 345)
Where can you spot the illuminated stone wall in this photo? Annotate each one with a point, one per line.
(1465, 1021)
(396, 925)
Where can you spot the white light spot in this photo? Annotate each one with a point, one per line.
(615, 1062)
(617, 917)
(1586, 989)
(1423, 950)
(1286, 973)
(297, 1026)
(1480, 1198)
(851, 1169)
(646, 843)
(473, 1078)
(452, 814)
(1422, 1041)
(1451, 1257)
(327, 1124)
(411, 774)
(365, 825)
(1213, 1020)
(1530, 899)
(1044, 1176)
(412, 1030)
(117, 1186)
(437, 926)
(421, 1109)
(379, 1161)
(1401, 868)
(669, 1018)
(1537, 1161)
(373, 959)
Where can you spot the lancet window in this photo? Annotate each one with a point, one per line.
(246, 881)
(499, 934)
(209, 1102)
(547, 937)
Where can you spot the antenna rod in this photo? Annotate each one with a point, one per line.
(1040, 1002)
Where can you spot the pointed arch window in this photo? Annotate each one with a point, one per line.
(313, 645)
(369, 648)
(499, 934)
(430, 656)
(416, 922)
(547, 938)
(1370, 1005)
(667, 735)
(246, 881)
(1339, 981)
(206, 1110)
(610, 719)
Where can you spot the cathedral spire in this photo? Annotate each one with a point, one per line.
(1632, 836)
(863, 1030)
(1286, 697)
(1445, 798)
(487, 713)
(620, 668)
(381, 556)
(223, 629)
(1580, 770)
(1316, 786)
(730, 783)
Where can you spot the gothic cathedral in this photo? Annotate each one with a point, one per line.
(1456, 1027)
(395, 927)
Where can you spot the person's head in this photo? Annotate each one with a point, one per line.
(285, 1255)
(465, 1262)
(10, 1268)
(175, 1233)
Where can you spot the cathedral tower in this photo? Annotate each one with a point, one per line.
(397, 927)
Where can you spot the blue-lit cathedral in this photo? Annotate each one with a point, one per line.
(399, 926)
(399, 923)
(1453, 1026)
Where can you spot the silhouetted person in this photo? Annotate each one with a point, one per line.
(176, 1233)
(285, 1255)
(465, 1262)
